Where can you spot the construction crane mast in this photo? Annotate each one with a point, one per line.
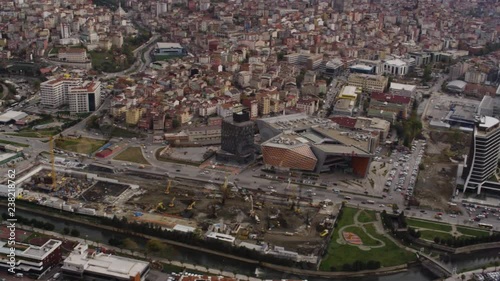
(52, 163)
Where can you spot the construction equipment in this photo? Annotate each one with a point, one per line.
(160, 207)
(171, 204)
(190, 207)
(167, 191)
(253, 215)
(52, 163)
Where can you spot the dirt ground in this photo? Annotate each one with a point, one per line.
(436, 182)
(286, 228)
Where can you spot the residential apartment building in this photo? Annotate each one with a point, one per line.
(85, 97)
(81, 96)
(73, 55)
(368, 82)
(54, 92)
(480, 169)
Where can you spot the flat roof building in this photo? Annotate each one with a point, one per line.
(168, 49)
(456, 86)
(86, 265)
(368, 82)
(30, 259)
(12, 116)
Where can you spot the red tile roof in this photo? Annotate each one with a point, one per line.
(343, 121)
(390, 98)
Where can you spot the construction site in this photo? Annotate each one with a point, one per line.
(288, 221)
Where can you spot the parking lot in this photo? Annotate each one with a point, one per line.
(405, 167)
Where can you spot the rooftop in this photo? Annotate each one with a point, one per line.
(104, 264)
(406, 87)
(12, 115)
(168, 45)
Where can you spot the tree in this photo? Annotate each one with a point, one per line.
(130, 244)
(427, 73)
(176, 123)
(74, 232)
(154, 246)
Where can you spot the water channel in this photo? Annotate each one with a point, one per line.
(414, 273)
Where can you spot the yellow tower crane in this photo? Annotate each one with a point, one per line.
(171, 204)
(52, 163)
(169, 184)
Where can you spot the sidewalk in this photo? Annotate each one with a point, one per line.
(469, 274)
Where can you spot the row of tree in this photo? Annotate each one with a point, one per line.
(31, 222)
(456, 242)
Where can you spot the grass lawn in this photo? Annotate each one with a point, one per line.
(472, 231)
(28, 133)
(367, 216)
(338, 254)
(81, 145)
(132, 154)
(347, 217)
(367, 241)
(428, 225)
(14, 143)
(430, 235)
(119, 132)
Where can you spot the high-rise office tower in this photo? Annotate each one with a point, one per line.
(482, 161)
(237, 139)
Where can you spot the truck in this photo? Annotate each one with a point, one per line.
(370, 201)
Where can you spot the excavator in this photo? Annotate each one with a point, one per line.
(171, 204)
(190, 207)
(160, 207)
(253, 215)
(169, 184)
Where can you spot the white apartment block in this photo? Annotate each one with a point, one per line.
(85, 98)
(54, 92)
(81, 96)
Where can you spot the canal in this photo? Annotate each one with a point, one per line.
(414, 273)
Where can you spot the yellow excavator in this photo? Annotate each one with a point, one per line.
(171, 204)
(160, 207)
(190, 207)
(169, 184)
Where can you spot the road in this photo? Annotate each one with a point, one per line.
(139, 65)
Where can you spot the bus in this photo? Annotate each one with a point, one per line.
(485, 225)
